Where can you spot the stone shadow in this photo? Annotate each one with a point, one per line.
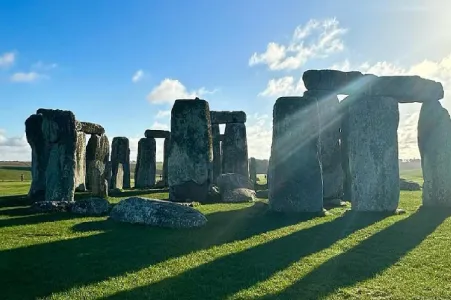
(225, 276)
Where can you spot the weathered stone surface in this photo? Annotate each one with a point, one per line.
(40, 150)
(157, 134)
(97, 149)
(166, 149)
(402, 88)
(234, 149)
(235, 188)
(253, 170)
(294, 176)
(109, 174)
(434, 143)
(90, 128)
(407, 185)
(146, 166)
(118, 177)
(80, 162)
(51, 206)
(120, 153)
(224, 117)
(58, 128)
(263, 194)
(217, 168)
(99, 184)
(330, 154)
(157, 213)
(190, 166)
(372, 144)
(91, 207)
(238, 195)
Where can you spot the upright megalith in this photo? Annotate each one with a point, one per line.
(99, 183)
(166, 135)
(59, 130)
(146, 166)
(295, 180)
(120, 154)
(191, 151)
(217, 168)
(253, 170)
(434, 142)
(166, 148)
(330, 156)
(234, 149)
(344, 149)
(39, 156)
(97, 149)
(80, 162)
(372, 145)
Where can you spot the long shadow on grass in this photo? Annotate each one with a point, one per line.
(367, 259)
(230, 274)
(119, 248)
(14, 201)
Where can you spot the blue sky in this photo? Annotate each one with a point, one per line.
(122, 63)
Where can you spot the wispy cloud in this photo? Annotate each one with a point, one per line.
(7, 59)
(162, 114)
(138, 76)
(27, 77)
(41, 66)
(171, 89)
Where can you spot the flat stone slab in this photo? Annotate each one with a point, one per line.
(51, 206)
(91, 207)
(157, 134)
(90, 128)
(158, 213)
(224, 117)
(404, 89)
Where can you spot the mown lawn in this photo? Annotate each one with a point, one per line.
(244, 252)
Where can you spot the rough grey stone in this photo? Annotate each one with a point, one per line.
(157, 213)
(238, 195)
(294, 177)
(434, 143)
(90, 128)
(146, 166)
(224, 117)
(157, 134)
(217, 168)
(191, 153)
(40, 150)
(99, 184)
(58, 127)
(51, 206)
(80, 162)
(120, 153)
(91, 207)
(235, 188)
(372, 144)
(166, 149)
(407, 185)
(97, 149)
(402, 88)
(263, 194)
(234, 149)
(253, 170)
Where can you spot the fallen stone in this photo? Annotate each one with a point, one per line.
(235, 188)
(234, 149)
(91, 207)
(225, 117)
(146, 166)
(90, 128)
(238, 195)
(51, 206)
(158, 213)
(157, 134)
(407, 185)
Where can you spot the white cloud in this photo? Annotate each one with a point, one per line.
(14, 148)
(27, 77)
(162, 114)
(285, 86)
(317, 39)
(7, 59)
(138, 76)
(171, 89)
(159, 126)
(44, 66)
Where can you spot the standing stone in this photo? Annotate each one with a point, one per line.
(59, 129)
(234, 149)
(330, 156)
(344, 149)
(166, 148)
(108, 173)
(119, 176)
(39, 157)
(120, 153)
(99, 184)
(191, 153)
(372, 143)
(146, 166)
(253, 170)
(80, 162)
(216, 151)
(295, 180)
(97, 149)
(434, 142)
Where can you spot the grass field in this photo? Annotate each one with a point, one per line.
(244, 252)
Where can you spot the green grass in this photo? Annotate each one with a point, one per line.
(244, 252)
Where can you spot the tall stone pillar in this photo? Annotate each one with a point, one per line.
(344, 149)
(166, 148)
(146, 165)
(295, 180)
(80, 162)
(39, 157)
(330, 154)
(216, 151)
(191, 153)
(234, 149)
(372, 144)
(120, 154)
(434, 142)
(97, 155)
